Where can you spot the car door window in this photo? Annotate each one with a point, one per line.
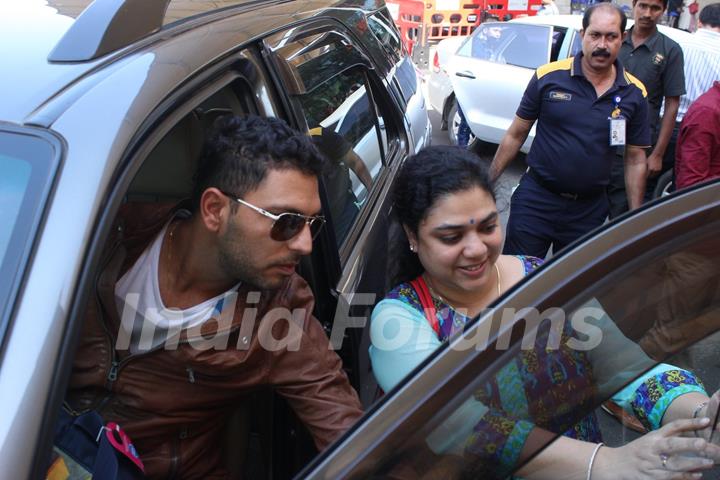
(510, 43)
(384, 30)
(406, 78)
(594, 330)
(388, 36)
(167, 172)
(331, 89)
(558, 37)
(576, 47)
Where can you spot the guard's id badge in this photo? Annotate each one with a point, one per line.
(617, 132)
(617, 124)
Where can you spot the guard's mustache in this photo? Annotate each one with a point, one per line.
(601, 53)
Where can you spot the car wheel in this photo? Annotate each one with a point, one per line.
(664, 185)
(453, 120)
(481, 148)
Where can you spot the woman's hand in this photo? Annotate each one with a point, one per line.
(662, 454)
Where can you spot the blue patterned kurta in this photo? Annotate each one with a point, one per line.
(542, 387)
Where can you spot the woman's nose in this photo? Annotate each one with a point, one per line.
(475, 247)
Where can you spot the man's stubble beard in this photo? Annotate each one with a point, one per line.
(235, 259)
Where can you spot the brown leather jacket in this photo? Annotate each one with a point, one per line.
(173, 402)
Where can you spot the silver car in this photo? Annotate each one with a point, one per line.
(109, 104)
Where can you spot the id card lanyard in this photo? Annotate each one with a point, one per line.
(617, 124)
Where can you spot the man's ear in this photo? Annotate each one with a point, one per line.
(214, 209)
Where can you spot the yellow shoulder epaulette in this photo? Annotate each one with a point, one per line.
(631, 79)
(565, 64)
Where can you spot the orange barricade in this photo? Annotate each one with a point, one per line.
(408, 16)
(507, 9)
(429, 21)
(451, 18)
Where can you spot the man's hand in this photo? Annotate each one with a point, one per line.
(510, 145)
(635, 175)
(654, 164)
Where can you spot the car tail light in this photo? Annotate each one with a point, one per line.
(436, 63)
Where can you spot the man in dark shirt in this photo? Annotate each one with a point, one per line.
(586, 107)
(657, 62)
(698, 152)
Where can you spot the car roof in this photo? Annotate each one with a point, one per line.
(29, 30)
(567, 21)
(575, 22)
(32, 31)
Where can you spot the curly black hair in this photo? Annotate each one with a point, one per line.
(239, 151)
(432, 173)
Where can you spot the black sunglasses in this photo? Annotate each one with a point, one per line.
(286, 225)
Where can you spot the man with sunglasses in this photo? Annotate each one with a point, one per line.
(199, 306)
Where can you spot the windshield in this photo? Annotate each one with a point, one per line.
(26, 166)
(14, 178)
(510, 43)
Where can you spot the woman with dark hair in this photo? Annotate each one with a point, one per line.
(451, 270)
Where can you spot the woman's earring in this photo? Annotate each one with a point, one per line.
(412, 247)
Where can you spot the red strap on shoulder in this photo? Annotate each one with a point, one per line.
(423, 293)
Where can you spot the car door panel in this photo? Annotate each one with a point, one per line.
(493, 92)
(490, 72)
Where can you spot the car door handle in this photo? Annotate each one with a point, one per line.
(465, 74)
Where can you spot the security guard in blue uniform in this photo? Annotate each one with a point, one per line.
(586, 107)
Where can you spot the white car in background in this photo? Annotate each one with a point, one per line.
(487, 72)
(440, 89)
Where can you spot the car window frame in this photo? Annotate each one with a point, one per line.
(566, 32)
(28, 236)
(445, 373)
(576, 35)
(567, 42)
(386, 22)
(286, 80)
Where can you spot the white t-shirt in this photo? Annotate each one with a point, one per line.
(146, 322)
